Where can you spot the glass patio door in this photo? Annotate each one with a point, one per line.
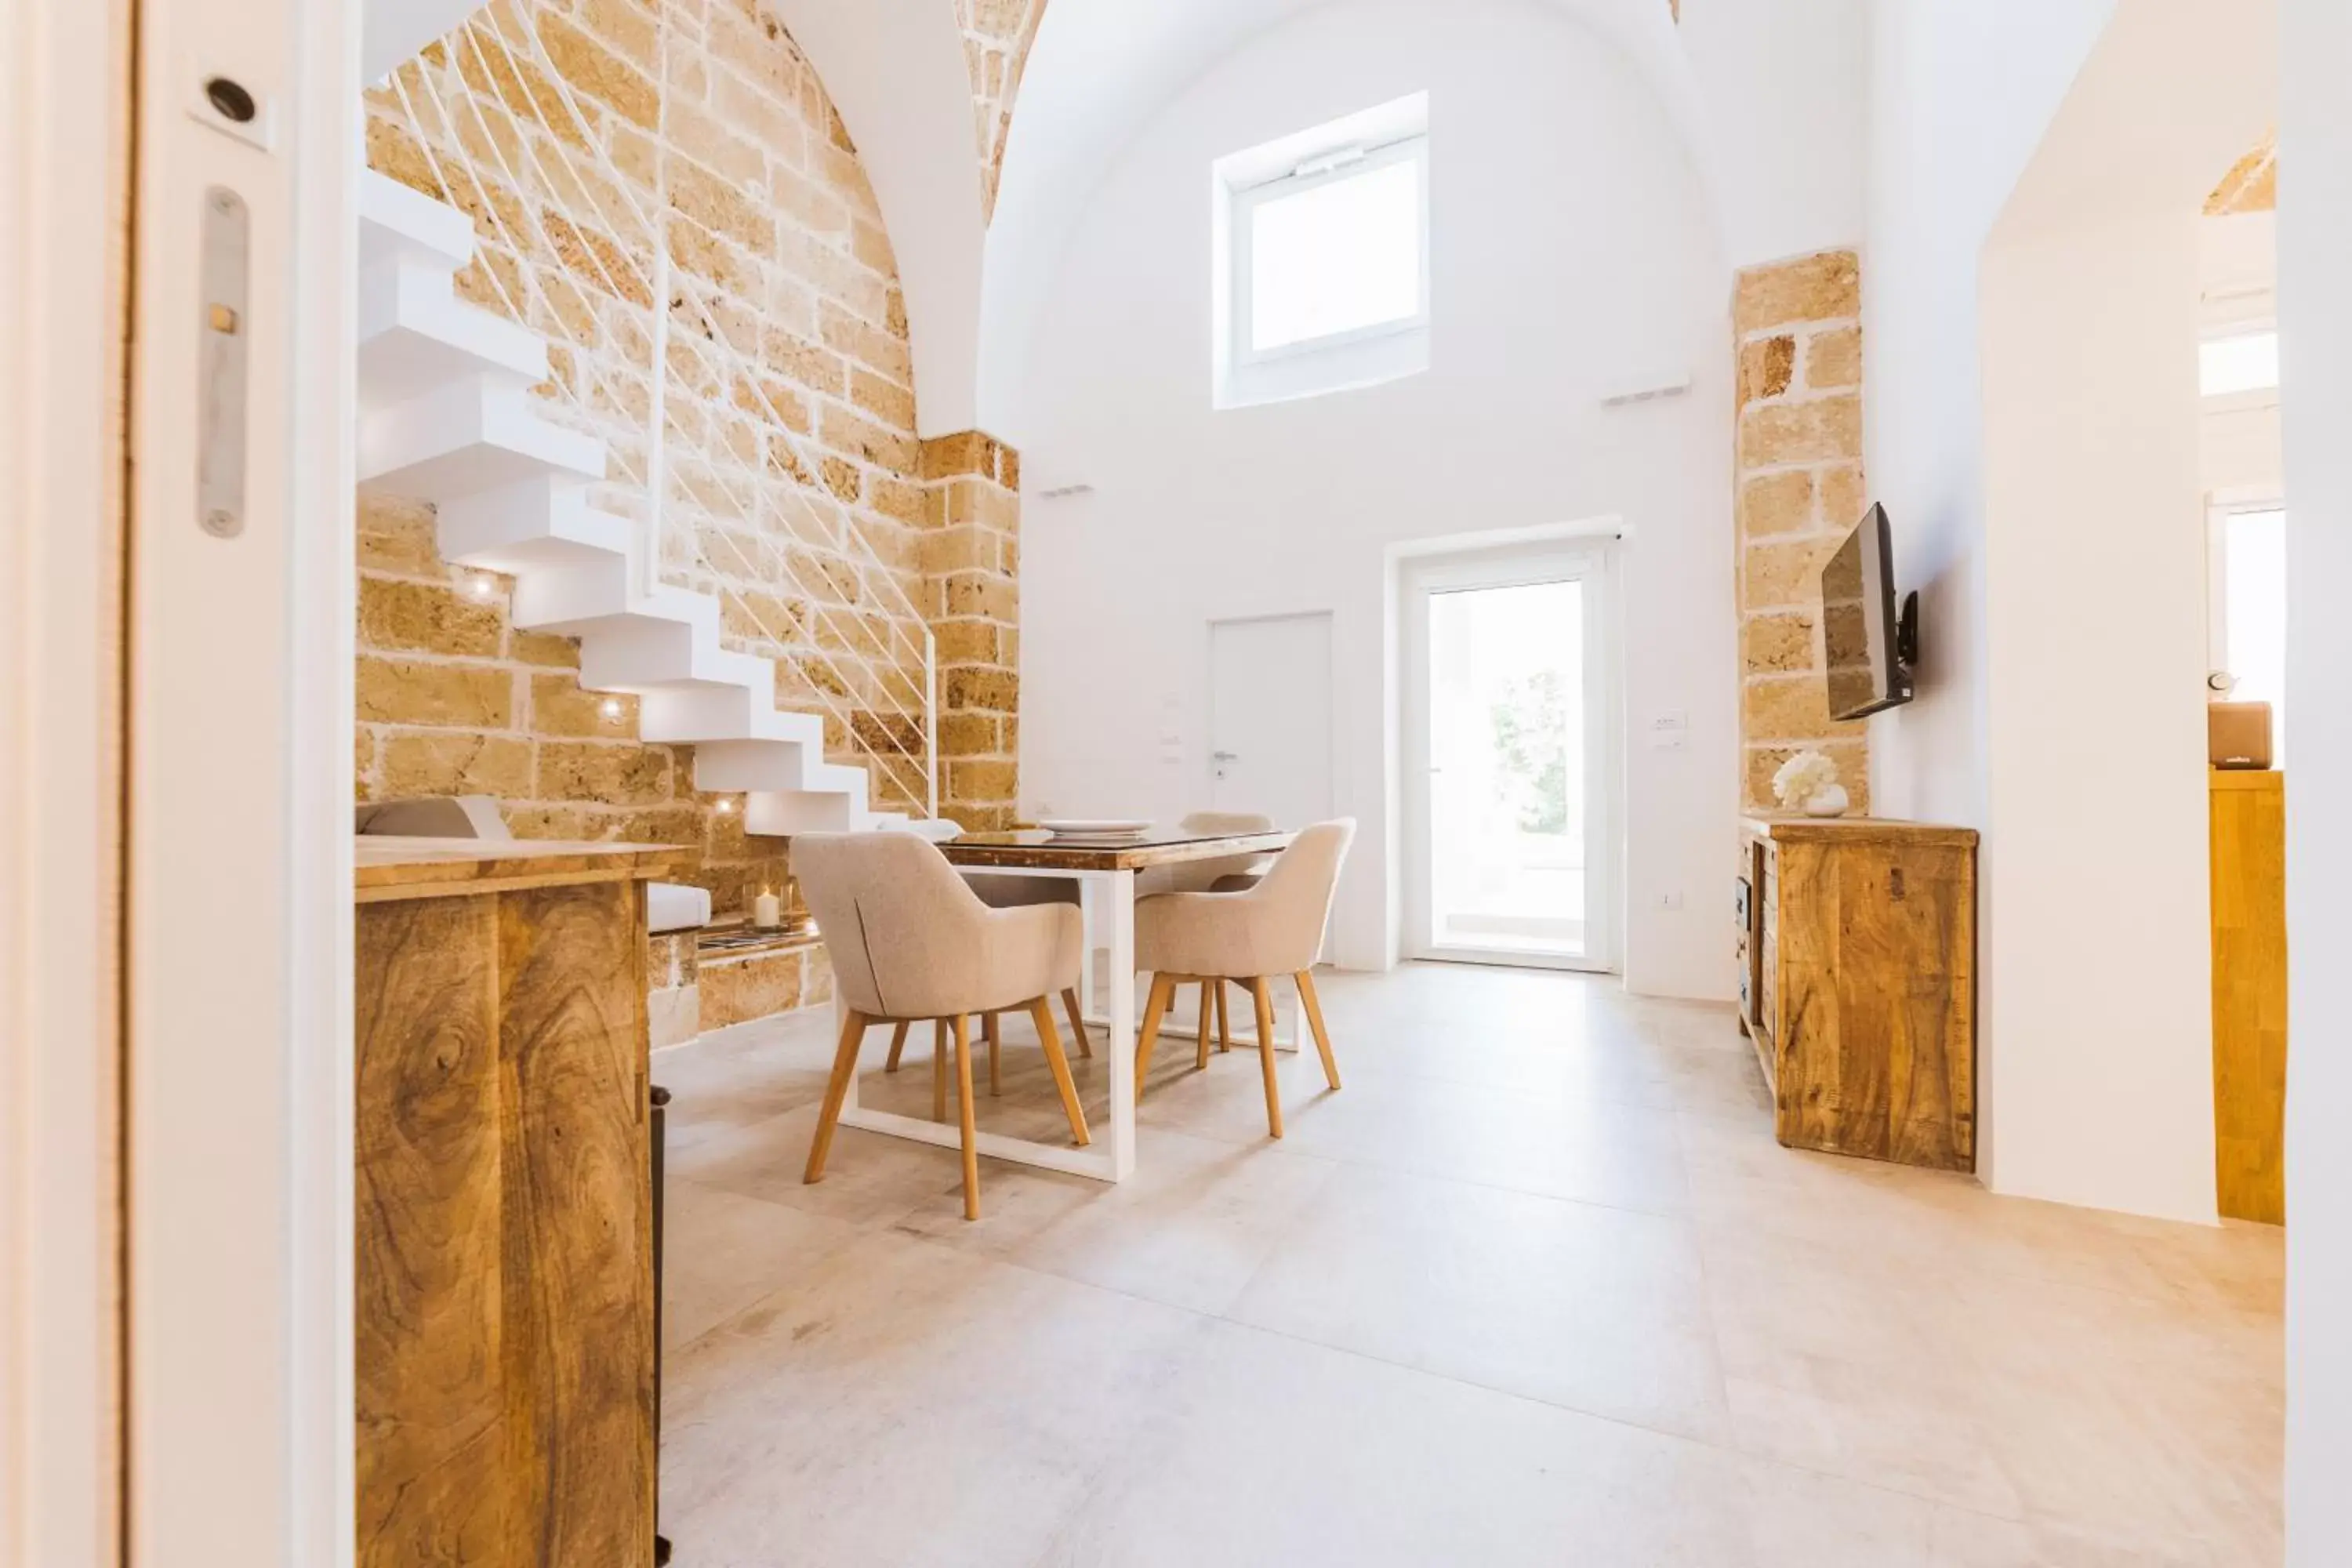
(1514, 824)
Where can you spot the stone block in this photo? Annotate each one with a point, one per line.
(1833, 359)
(1765, 368)
(986, 781)
(559, 707)
(1789, 708)
(1786, 575)
(1776, 503)
(1822, 288)
(418, 691)
(598, 72)
(620, 774)
(988, 691)
(1844, 498)
(1779, 644)
(1825, 430)
(453, 762)
(738, 991)
(428, 617)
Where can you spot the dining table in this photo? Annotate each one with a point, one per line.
(1105, 870)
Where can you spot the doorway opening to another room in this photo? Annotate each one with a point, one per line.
(1511, 808)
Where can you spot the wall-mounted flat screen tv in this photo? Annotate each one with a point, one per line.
(1869, 648)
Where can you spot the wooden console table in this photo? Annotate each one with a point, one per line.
(1858, 984)
(505, 1286)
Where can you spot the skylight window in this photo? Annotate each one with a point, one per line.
(1336, 252)
(1322, 276)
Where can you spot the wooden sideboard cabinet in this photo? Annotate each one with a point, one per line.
(505, 1312)
(1857, 947)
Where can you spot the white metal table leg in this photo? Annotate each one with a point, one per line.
(1120, 891)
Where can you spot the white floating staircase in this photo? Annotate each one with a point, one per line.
(446, 415)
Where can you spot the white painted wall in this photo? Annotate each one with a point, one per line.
(1784, 85)
(1573, 255)
(1959, 98)
(2095, 986)
(2316, 323)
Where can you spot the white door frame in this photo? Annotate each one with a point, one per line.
(237, 980)
(64, 191)
(1592, 560)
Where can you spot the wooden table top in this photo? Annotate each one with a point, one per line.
(387, 868)
(1858, 830)
(1036, 849)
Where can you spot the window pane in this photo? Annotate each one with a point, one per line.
(2246, 364)
(1336, 257)
(2255, 571)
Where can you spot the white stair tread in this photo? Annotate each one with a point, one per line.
(396, 221)
(416, 336)
(467, 438)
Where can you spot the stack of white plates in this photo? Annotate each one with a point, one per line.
(1096, 827)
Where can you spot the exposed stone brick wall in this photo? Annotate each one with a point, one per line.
(1798, 472)
(789, 458)
(454, 700)
(997, 35)
(2251, 185)
(971, 565)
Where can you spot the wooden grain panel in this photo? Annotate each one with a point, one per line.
(2249, 995)
(578, 1235)
(431, 1488)
(1868, 979)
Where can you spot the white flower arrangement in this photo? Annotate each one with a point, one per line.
(1802, 778)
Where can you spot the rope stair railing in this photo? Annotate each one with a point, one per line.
(842, 641)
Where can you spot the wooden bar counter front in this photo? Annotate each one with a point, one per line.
(506, 1288)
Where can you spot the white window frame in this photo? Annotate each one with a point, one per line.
(1329, 168)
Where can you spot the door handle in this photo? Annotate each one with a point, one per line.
(1224, 756)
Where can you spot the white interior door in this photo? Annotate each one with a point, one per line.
(1511, 720)
(1270, 718)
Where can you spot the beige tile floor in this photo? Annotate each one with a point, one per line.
(1537, 1288)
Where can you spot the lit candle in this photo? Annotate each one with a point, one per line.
(767, 912)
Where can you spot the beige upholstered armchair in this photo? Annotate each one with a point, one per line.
(1275, 927)
(909, 942)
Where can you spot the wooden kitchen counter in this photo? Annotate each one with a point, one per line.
(505, 1332)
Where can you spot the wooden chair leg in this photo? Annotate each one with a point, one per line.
(995, 1074)
(897, 1044)
(1224, 1024)
(939, 1069)
(1077, 1022)
(1314, 1005)
(1200, 1058)
(836, 1090)
(1161, 989)
(1051, 1038)
(1263, 995)
(964, 1109)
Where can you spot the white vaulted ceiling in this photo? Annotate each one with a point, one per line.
(1101, 70)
